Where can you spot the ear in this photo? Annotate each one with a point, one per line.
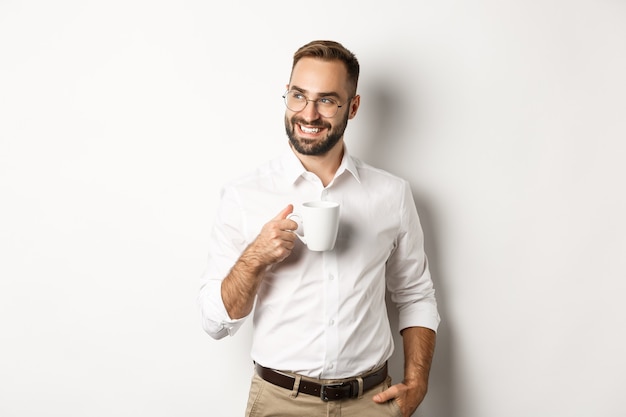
(354, 106)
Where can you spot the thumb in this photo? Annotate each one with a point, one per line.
(284, 212)
(389, 394)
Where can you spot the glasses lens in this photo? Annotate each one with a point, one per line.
(296, 101)
(327, 107)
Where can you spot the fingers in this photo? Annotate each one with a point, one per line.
(276, 239)
(281, 226)
(292, 225)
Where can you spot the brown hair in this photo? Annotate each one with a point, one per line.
(329, 51)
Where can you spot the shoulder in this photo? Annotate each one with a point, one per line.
(371, 175)
(260, 173)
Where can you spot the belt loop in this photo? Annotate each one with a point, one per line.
(360, 381)
(296, 386)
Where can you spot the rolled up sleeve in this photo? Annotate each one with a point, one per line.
(408, 276)
(215, 319)
(225, 246)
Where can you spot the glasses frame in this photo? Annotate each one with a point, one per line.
(308, 100)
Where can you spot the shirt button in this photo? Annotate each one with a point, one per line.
(332, 322)
(331, 366)
(331, 277)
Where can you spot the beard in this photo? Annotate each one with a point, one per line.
(308, 147)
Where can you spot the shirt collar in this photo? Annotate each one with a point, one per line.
(293, 168)
(348, 164)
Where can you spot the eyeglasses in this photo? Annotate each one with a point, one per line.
(326, 106)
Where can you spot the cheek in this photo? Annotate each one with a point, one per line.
(288, 122)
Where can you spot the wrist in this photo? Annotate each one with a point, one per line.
(416, 378)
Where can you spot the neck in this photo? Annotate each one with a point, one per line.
(324, 166)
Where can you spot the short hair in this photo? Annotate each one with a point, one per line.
(330, 51)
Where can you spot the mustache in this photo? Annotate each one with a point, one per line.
(313, 123)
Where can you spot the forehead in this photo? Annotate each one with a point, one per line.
(316, 75)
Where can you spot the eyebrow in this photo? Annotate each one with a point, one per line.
(322, 94)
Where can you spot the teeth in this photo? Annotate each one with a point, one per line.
(309, 130)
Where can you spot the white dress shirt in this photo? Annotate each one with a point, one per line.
(323, 314)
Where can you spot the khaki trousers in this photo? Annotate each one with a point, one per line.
(268, 400)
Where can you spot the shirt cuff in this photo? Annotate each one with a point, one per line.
(419, 315)
(215, 319)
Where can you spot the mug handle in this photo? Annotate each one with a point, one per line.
(299, 221)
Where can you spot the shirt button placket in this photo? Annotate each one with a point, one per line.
(324, 195)
(332, 309)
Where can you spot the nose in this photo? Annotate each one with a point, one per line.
(309, 112)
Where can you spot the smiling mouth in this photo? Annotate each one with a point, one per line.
(310, 130)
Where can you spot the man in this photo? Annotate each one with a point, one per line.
(321, 335)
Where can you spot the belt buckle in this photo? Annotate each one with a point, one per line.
(346, 387)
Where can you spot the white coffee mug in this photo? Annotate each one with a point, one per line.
(318, 223)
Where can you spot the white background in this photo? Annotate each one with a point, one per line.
(119, 121)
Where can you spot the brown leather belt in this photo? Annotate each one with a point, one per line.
(348, 388)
